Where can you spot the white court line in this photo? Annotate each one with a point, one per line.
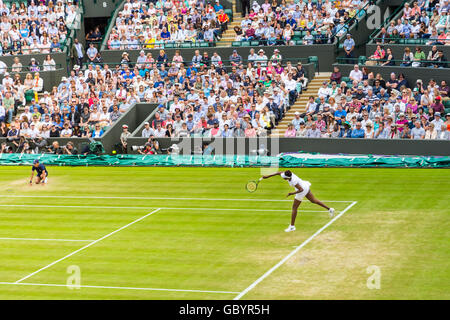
(146, 208)
(153, 198)
(35, 239)
(87, 246)
(122, 288)
(275, 267)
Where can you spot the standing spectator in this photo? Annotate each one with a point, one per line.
(349, 47)
(76, 54)
(245, 7)
(124, 138)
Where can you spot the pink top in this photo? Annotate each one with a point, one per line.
(290, 133)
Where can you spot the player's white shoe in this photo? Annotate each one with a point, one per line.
(331, 212)
(45, 180)
(290, 228)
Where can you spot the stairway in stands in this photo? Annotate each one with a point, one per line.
(300, 104)
(229, 35)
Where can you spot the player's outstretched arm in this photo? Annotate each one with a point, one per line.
(272, 175)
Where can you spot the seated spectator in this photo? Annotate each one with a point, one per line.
(408, 58)
(33, 28)
(378, 56)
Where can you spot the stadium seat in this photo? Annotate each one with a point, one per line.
(297, 35)
(315, 60)
(204, 44)
(254, 43)
(229, 12)
(362, 60)
(245, 43)
(236, 43)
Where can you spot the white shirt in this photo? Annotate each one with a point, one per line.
(356, 75)
(296, 180)
(146, 133)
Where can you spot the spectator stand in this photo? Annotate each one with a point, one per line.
(411, 74)
(51, 76)
(398, 44)
(419, 88)
(359, 29)
(132, 117)
(99, 44)
(330, 146)
(142, 43)
(302, 33)
(325, 53)
(59, 56)
(308, 64)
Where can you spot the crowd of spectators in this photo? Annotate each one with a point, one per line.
(40, 27)
(424, 19)
(273, 23)
(368, 106)
(434, 58)
(85, 104)
(200, 97)
(146, 25)
(211, 97)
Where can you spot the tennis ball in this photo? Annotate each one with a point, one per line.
(114, 152)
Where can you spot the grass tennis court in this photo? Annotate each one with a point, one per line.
(191, 233)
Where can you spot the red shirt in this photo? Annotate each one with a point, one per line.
(438, 107)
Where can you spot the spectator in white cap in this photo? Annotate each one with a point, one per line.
(297, 121)
(437, 122)
(7, 80)
(147, 131)
(124, 138)
(261, 57)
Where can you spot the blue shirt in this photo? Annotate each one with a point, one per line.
(338, 114)
(349, 43)
(218, 7)
(357, 133)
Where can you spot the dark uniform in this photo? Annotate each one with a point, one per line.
(40, 169)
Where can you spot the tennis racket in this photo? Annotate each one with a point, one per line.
(252, 185)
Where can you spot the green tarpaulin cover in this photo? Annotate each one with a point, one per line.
(284, 160)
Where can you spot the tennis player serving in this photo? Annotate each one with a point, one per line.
(302, 189)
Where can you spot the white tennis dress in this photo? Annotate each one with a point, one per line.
(303, 183)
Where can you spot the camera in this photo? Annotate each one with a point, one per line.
(136, 148)
(173, 149)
